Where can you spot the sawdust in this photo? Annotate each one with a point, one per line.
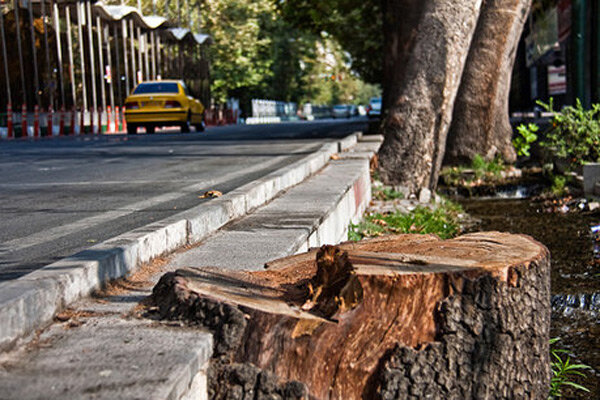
(139, 280)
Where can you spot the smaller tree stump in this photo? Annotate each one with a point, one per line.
(407, 316)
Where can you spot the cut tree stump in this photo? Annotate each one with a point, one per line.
(406, 316)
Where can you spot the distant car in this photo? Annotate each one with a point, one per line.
(162, 103)
(340, 111)
(374, 107)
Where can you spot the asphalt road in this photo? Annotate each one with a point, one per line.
(59, 196)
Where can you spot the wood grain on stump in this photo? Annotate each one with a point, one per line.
(407, 316)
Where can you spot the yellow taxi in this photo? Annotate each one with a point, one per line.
(162, 103)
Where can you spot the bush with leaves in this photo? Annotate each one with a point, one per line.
(575, 133)
(527, 134)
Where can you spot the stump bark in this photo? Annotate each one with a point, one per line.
(405, 316)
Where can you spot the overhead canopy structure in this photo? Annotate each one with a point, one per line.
(117, 13)
(184, 34)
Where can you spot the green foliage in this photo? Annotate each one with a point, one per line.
(563, 372)
(480, 171)
(356, 25)
(559, 185)
(527, 136)
(241, 55)
(575, 133)
(387, 193)
(442, 221)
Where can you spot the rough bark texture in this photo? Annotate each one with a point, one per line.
(394, 317)
(425, 60)
(480, 124)
(492, 344)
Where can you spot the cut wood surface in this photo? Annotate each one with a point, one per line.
(341, 319)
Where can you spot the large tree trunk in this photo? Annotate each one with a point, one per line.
(426, 56)
(480, 124)
(406, 316)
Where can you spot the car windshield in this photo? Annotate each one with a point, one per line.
(158, 87)
(339, 107)
(376, 100)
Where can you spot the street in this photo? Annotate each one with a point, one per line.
(63, 195)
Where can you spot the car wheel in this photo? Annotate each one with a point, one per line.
(131, 129)
(199, 127)
(185, 127)
(150, 129)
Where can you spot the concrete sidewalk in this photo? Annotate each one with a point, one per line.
(101, 348)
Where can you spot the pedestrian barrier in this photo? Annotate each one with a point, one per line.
(82, 122)
(115, 120)
(61, 122)
(24, 120)
(101, 127)
(124, 121)
(36, 121)
(9, 122)
(50, 124)
(110, 128)
(214, 117)
(92, 130)
(72, 125)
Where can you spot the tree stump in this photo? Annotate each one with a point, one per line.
(407, 316)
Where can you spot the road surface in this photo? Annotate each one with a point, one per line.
(59, 196)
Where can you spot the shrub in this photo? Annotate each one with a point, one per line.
(575, 133)
(527, 136)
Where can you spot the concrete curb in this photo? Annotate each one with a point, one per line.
(30, 302)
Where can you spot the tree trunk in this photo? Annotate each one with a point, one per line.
(389, 318)
(426, 57)
(480, 124)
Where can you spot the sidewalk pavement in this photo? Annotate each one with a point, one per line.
(99, 347)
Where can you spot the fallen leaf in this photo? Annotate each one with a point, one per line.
(211, 193)
(380, 222)
(335, 157)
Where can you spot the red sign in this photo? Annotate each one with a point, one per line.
(563, 11)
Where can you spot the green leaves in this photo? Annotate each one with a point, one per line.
(575, 133)
(563, 371)
(527, 136)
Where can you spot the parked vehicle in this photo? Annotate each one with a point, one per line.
(162, 103)
(340, 111)
(374, 107)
